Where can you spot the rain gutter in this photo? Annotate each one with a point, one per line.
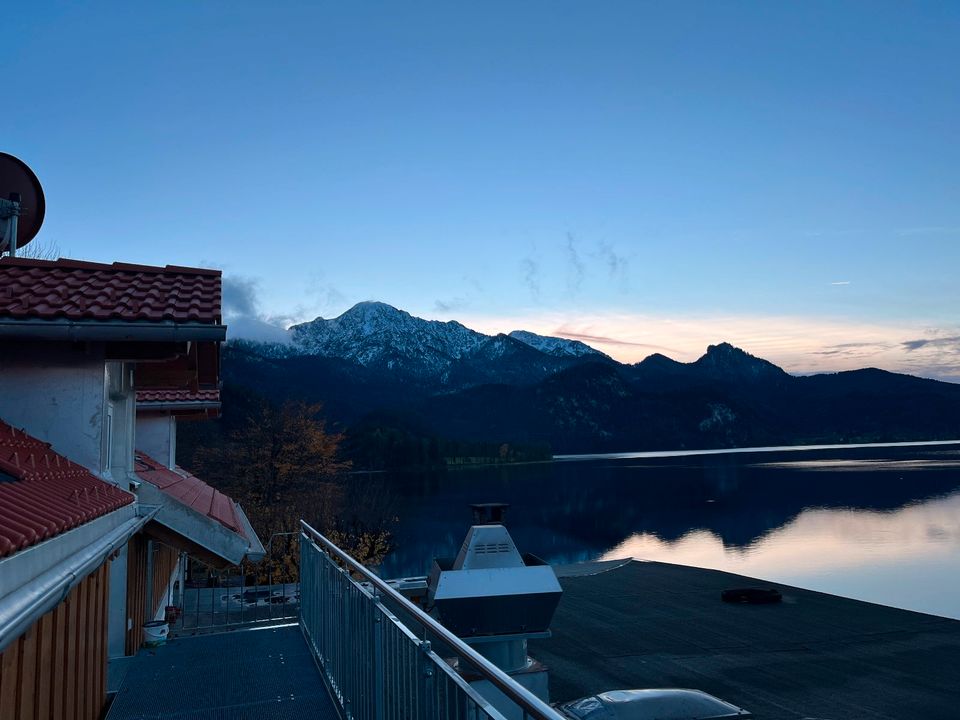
(23, 605)
(110, 330)
(174, 406)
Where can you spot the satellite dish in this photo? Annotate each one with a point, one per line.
(21, 202)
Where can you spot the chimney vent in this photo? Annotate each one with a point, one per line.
(488, 513)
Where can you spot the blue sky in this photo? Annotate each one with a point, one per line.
(785, 176)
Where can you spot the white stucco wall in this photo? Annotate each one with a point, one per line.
(157, 437)
(56, 392)
(121, 408)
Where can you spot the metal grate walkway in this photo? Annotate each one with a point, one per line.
(264, 674)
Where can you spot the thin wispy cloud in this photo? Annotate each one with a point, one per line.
(473, 282)
(576, 269)
(935, 342)
(617, 265)
(607, 341)
(530, 270)
(451, 305)
(840, 282)
(800, 345)
(855, 350)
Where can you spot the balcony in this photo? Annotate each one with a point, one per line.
(356, 650)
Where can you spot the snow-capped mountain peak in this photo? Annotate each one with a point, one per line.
(378, 335)
(375, 334)
(558, 347)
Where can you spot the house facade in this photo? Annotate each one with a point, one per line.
(97, 365)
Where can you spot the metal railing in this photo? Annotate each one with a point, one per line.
(218, 600)
(381, 668)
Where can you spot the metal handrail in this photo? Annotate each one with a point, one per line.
(532, 706)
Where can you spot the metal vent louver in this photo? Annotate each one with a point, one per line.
(490, 589)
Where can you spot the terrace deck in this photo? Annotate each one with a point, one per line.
(264, 674)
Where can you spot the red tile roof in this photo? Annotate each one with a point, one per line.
(190, 490)
(176, 395)
(42, 494)
(77, 290)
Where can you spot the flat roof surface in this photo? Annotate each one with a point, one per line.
(649, 625)
(241, 675)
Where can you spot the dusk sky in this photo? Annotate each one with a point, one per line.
(647, 177)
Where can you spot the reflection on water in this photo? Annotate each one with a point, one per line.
(879, 524)
(907, 558)
(871, 465)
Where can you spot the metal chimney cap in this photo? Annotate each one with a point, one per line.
(488, 513)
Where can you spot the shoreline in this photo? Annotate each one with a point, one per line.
(748, 450)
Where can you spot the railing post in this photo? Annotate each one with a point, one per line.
(427, 684)
(378, 699)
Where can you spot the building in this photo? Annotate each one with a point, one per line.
(97, 364)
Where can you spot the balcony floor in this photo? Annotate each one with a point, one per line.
(244, 675)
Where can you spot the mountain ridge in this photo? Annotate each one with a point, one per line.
(392, 374)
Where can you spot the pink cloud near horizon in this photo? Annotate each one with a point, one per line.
(798, 345)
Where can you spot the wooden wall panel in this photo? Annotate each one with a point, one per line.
(57, 667)
(136, 591)
(59, 661)
(165, 560)
(71, 607)
(140, 608)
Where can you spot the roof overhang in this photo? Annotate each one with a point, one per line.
(110, 330)
(180, 526)
(176, 408)
(36, 579)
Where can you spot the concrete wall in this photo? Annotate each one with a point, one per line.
(57, 393)
(157, 437)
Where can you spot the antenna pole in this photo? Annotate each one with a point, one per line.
(10, 209)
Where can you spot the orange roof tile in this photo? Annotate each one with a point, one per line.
(78, 290)
(43, 494)
(190, 490)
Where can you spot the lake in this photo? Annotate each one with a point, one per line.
(876, 523)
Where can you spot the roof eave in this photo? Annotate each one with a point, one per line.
(36, 578)
(110, 330)
(202, 532)
(176, 407)
(256, 551)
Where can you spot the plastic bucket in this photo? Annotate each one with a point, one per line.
(155, 633)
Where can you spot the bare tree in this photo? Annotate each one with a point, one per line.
(40, 251)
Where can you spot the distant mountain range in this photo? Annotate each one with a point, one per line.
(377, 364)
(380, 337)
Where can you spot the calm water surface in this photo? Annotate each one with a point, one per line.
(875, 523)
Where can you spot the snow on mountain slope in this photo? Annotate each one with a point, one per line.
(559, 347)
(377, 335)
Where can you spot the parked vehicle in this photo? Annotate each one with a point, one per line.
(652, 704)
